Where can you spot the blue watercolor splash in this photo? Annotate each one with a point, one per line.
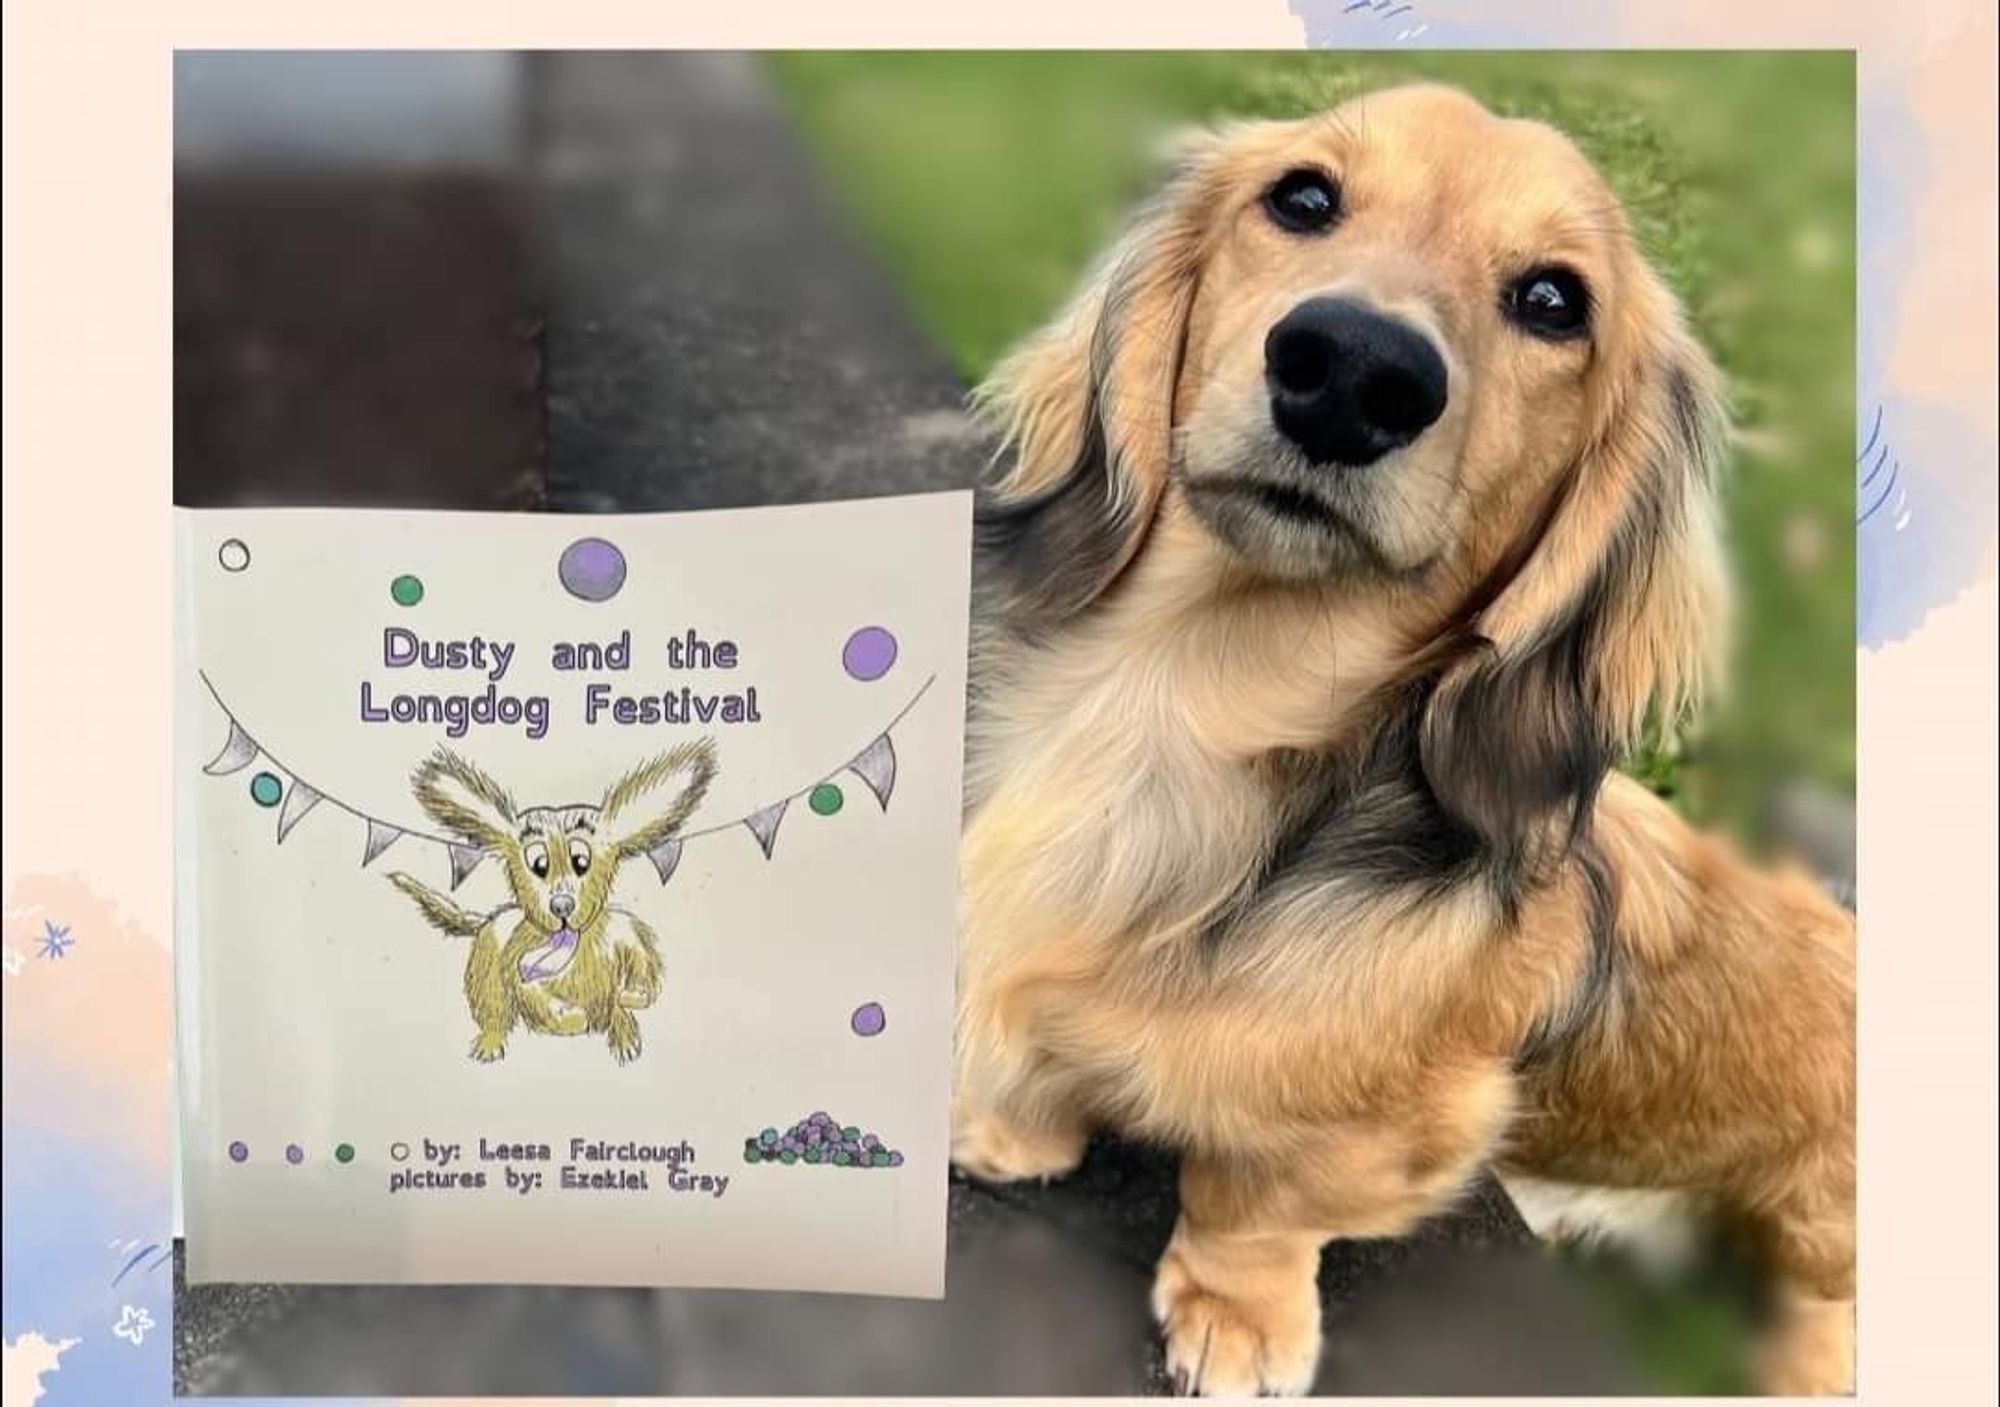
(1924, 482)
(1383, 24)
(67, 1199)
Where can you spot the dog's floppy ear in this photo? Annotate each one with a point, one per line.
(1614, 615)
(464, 800)
(1084, 408)
(649, 804)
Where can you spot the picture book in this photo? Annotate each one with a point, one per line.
(569, 900)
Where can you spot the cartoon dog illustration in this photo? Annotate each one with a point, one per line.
(561, 959)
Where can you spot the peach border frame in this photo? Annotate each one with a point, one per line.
(87, 625)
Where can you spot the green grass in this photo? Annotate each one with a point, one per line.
(985, 183)
(1691, 1335)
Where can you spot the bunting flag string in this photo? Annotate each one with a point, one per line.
(464, 860)
(295, 798)
(239, 752)
(299, 799)
(381, 835)
(764, 825)
(876, 766)
(666, 858)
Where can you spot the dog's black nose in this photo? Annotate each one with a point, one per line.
(562, 905)
(1348, 384)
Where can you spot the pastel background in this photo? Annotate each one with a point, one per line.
(87, 635)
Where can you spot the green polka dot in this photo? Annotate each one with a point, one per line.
(344, 1153)
(825, 799)
(406, 591)
(266, 789)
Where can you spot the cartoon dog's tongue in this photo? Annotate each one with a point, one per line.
(551, 958)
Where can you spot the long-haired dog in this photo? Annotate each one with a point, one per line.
(561, 959)
(1360, 511)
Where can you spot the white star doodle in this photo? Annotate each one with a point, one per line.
(13, 963)
(132, 1325)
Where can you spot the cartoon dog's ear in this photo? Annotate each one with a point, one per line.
(1085, 407)
(649, 804)
(1615, 615)
(464, 800)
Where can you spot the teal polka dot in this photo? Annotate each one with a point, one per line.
(826, 799)
(266, 789)
(406, 591)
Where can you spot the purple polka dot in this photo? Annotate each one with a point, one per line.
(869, 653)
(238, 1152)
(868, 1019)
(294, 1153)
(591, 569)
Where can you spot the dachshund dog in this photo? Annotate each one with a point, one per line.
(560, 959)
(1356, 518)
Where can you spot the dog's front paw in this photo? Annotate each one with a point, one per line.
(994, 1149)
(487, 1048)
(1236, 1345)
(624, 1040)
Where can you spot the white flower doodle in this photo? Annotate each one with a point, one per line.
(132, 1325)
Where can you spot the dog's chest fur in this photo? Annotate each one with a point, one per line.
(1124, 776)
(572, 1000)
(1128, 791)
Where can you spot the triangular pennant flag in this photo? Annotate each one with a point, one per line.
(877, 767)
(464, 860)
(239, 752)
(764, 825)
(666, 858)
(299, 799)
(381, 835)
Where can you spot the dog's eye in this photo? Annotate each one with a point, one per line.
(537, 856)
(579, 857)
(1551, 303)
(1304, 201)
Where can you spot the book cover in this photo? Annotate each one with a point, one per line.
(569, 900)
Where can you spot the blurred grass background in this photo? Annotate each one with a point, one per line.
(986, 182)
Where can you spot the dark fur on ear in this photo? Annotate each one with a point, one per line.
(1051, 553)
(464, 800)
(1084, 409)
(638, 817)
(1611, 617)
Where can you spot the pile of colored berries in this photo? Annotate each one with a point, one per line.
(818, 1139)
